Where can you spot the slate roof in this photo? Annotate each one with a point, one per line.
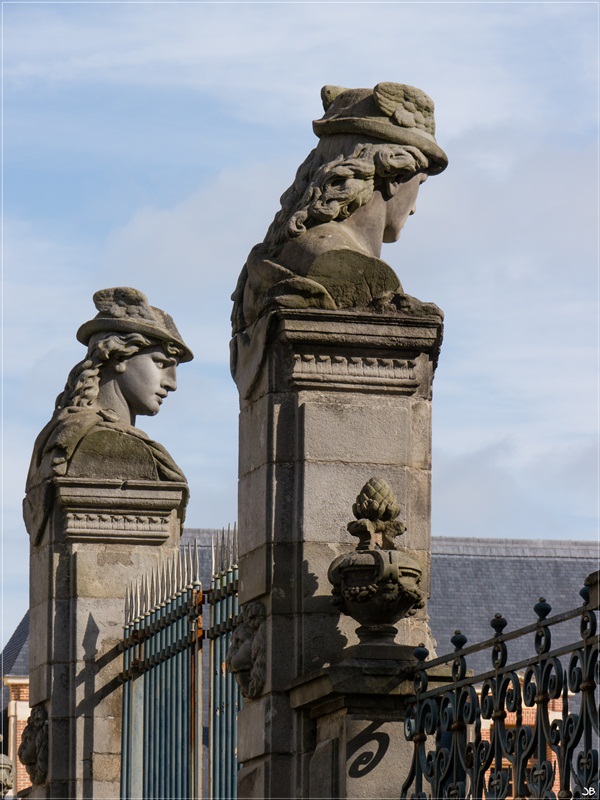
(14, 659)
(204, 537)
(472, 579)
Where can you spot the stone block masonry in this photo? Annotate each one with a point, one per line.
(332, 399)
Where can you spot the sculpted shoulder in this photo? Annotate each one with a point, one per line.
(106, 452)
(328, 255)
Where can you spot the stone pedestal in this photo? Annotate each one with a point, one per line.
(101, 535)
(358, 707)
(328, 400)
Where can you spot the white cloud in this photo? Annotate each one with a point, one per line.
(252, 60)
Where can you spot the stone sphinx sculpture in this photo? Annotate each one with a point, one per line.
(355, 191)
(133, 352)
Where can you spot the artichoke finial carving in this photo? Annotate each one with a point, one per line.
(377, 584)
(376, 509)
(376, 501)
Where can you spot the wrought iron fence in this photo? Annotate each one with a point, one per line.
(526, 729)
(161, 744)
(225, 698)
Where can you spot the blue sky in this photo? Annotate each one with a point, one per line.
(147, 144)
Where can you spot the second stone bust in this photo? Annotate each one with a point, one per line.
(128, 371)
(354, 192)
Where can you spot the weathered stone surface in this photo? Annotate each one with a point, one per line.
(104, 504)
(355, 191)
(353, 433)
(359, 707)
(264, 714)
(330, 397)
(315, 438)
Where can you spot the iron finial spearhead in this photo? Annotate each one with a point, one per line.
(459, 640)
(498, 623)
(421, 653)
(542, 608)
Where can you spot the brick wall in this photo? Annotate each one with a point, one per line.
(18, 711)
(528, 718)
(22, 779)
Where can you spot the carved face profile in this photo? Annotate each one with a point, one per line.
(145, 379)
(133, 352)
(400, 205)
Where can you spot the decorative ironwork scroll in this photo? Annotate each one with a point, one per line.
(522, 730)
(161, 746)
(225, 696)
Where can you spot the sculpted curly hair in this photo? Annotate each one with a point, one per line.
(83, 383)
(338, 177)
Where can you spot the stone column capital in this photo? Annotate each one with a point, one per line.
(311, 348)
(112, 511)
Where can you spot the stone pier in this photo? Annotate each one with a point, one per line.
(100, 536)
(328, 399)
(104, 505)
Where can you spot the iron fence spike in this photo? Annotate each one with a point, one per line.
(183, 566)
(171, 566)
(196, 562)
(126, 605)
(148, 600)
(181, 569)
(188, 564)
(167, 565)
(137, 600)
(160, 583)
(142, 604)
(167, 580)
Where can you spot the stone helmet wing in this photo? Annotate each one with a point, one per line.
(126, 310)
(392, 112)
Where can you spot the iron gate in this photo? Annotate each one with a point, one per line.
(162, 692)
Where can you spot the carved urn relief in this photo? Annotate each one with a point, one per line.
(377, 585)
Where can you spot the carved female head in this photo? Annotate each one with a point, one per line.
(133, 350)
(369, 140)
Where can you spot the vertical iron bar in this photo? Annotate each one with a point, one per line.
(227, 675)
(211, 693)
(217, 668)
(162, 688)
(125, 732)
(236, 688)
(168, 663)
(185, 688)
(223, 722)
(179, 744)
(149, 693)
(197, 685)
